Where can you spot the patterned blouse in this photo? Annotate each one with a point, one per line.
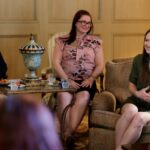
(79, 62)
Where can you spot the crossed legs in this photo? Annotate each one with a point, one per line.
(130, 125)
(75, 113)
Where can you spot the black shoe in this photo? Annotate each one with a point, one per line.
(70, 143)
(125, 147)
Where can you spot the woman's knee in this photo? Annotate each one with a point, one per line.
(129, 111)
(82, 98)
(129, 108)
(139, 119)
(64, 98)
(61, 95)
(83, 95)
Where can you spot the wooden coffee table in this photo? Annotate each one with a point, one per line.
(34, 90)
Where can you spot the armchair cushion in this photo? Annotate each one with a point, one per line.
(104, 119)
(116, 78)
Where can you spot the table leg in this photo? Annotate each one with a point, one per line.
(63, 118)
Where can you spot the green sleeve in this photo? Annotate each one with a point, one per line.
(134, 71)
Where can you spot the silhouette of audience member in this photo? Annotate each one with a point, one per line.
(3, 67)
(26, 124)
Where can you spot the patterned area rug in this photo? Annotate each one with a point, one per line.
(81, 135)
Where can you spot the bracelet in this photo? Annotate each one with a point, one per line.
(68, 79)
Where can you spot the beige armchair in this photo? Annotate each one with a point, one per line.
(104, 106)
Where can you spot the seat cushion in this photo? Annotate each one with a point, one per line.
(117, 78)
(107, 120)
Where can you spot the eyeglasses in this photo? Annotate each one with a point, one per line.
(85, 22)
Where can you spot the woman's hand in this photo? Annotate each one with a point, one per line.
(142, 94)
(87, 82)
(73, 84)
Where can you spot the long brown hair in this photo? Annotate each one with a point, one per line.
(145, 62)
(77, 16)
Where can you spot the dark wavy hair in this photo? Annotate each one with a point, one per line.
(145, 62)
(25, 124)
(77, 16)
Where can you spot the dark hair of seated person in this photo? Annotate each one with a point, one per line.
(3, 67)
(26, 124)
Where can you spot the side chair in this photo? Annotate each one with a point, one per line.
(49, 98)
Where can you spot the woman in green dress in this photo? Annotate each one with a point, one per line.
(135, 111)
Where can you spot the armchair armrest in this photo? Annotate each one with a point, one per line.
(104, 101)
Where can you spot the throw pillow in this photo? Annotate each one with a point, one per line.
(117, 78)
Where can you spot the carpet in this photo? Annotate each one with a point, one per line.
(81, 135)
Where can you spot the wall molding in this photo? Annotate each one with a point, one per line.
(122, 35)
(133, 19)
(34, 19)
(68, 20)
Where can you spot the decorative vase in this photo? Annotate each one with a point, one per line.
(32, 57)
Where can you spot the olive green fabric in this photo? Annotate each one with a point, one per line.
(136, 71)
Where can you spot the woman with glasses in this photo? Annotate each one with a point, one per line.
(135, 112)
(78, 58)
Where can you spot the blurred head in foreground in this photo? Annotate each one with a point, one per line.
(26, 124)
